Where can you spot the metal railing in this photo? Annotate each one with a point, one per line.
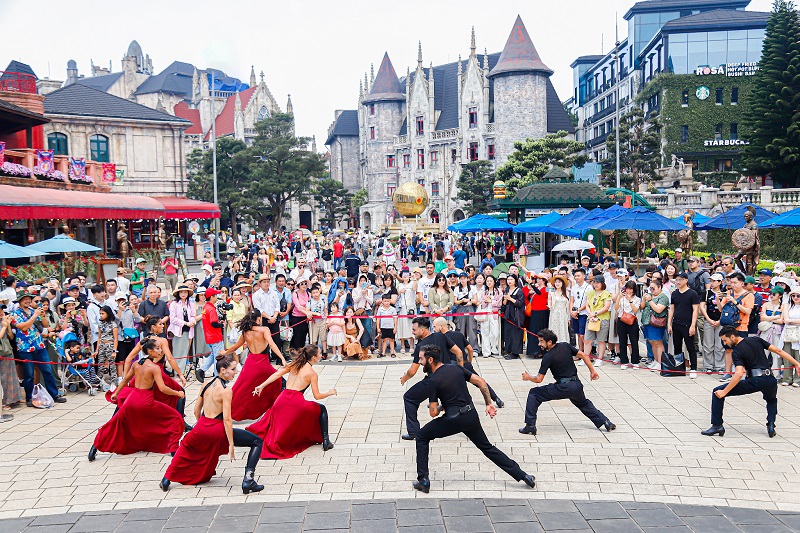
(17, 82)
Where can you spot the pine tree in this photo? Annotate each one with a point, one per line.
(333, 200)
(639, 150)
(773, 108)
(475, 186)
(534, 158)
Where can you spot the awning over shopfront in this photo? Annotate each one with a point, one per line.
(40, 203)
(177, 208)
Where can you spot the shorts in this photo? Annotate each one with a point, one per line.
(317, 331)
(387, 333)
(579, 324)
(599, 336)
(653, 333)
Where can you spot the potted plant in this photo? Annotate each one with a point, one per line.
(14, 170)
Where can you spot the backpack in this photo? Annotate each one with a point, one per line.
(730, 313)
(283, 304)
(755, 314)
(697, 282)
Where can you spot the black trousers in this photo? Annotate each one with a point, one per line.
(299, 331)
(766, 385)
(631, 333)
(414, 396)
(470, 425)
(469, 367)
(572, 391)
(680, 333)
(245, 439)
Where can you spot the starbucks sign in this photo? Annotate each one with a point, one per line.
(702, 92)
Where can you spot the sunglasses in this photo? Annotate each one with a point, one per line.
(795, 295)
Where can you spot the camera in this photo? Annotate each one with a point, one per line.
(225, 306)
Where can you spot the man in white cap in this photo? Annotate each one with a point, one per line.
(123, 283)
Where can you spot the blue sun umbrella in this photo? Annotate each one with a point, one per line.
(544, 224)
(789, 219)
(593, 220)
(61, 244)
(480, 222)
(572, 217)
(734, 218)
(640, 218)
(12, 251)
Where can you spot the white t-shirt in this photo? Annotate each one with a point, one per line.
(386, 323)
(578, 294)
(424, 286)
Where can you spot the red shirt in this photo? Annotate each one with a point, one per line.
(538, 301)
(338, 249)
(213, 335)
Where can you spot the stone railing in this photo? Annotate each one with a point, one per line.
(673, 203)
(490, 127)
(444, 134)
(401, 139)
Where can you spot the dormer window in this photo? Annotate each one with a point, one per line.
(473, 117)
(420, 125)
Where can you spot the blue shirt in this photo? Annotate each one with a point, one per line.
(459, 258)
(27, 341)
(488, 262)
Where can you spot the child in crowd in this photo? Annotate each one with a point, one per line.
(316, 326)
(387, 324)
(335, 324)
(107, 346)
(81, 360)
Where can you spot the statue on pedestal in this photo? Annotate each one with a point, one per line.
(123, 242)
(746, 240)
(161, 238)
(686, 236)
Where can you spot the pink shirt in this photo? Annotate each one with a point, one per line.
(336, 325)
(300, 299)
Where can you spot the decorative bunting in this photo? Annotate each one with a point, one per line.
(109, 172)
(44, 160)
(2, 153)
(77, 168)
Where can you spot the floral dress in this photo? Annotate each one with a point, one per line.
(106, 355)
(559, 315)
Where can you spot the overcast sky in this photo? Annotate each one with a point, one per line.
(316, 51)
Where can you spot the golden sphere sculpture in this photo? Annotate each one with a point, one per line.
(410, 199)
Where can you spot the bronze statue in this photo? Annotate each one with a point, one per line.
(686, 236)
(746, 240)
(161, 238)
(123, 242)
(637, 236)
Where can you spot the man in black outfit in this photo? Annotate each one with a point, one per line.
(558, 358)
(441, 325)
(749, 358)
(351, 263)
(448, 383)
(682, 322)
(418, 393)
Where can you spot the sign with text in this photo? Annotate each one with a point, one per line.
(726, 142)
(732, 70)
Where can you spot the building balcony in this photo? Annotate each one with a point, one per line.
(444, 134)
(27, 158)
(17, 82)
(400, 139)
(601, 139)
(490, 127)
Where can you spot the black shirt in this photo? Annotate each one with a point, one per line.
(750, 354)
(449, 384)
(439, 340)
(713, 312)
(683, 302)
(558, 360)
(352, 264)
(459, 340)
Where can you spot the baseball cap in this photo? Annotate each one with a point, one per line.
(211, 291)
(694, 258)
(679, 250)
(779, 267)
(613, 265)
(599, 279)
(121, 297)
(765, 271)
(777, 290)
(749, 280)
(73, 288)
(22, 283)
(207, 267)
(141, 260)
(452, 273)
(502, 275)
(683, 275)
(462, 274)
(448, 258)
(622, 272)
(717, 277)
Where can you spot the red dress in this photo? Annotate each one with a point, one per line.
(197, 458)
(256, 370)
(141, 425)
(159, 396)
(289, 427)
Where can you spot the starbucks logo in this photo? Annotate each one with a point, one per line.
(703, 92)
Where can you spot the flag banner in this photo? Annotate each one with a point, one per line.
(120, 177)
(77, 168)
(2, 153)
(109, 172)
(44, 160)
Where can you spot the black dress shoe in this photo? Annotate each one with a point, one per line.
(164, 484)
(29, 403)
(92, 453)
(327, 445)
(771, 429)
(406, 436)
(424, 485)
(60, 399)
(530, 481)
(500, 403)
(510, 356)
(609, 425)
(714, 430)
(528, 429)
(200, 375)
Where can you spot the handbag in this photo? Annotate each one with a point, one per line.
(41, 398)
(627, 318)
(286, 334)
(129, 334)
(791, 334)
(594, 324)
(658, 321)
(483, 317)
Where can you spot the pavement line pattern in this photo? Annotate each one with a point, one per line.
(656, 455)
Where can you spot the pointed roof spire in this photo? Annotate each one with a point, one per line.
(419, 54)
(386, 86)
(261, 75)
(371, 73)
(472, 42)
(485, 59)
(519, 54)
(252, 76)
(289, 107)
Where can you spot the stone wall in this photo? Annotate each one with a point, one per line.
(520, 111)
(387, 120)
(344, 163)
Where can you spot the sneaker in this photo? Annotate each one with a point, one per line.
(615, 359)
(693, 374)
(784, 383)
(339, 358)
(726, 378)
(708, 370)
(624, 366)
(6, 418)
(655, 365)
(598, 362)
(580, 363)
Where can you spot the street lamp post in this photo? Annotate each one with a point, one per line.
(214, 160)
(616, 137)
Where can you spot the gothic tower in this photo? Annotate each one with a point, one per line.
(520, 92)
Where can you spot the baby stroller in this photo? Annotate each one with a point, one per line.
(74, 377)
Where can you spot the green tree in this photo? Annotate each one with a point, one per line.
(773, 110)
(333, 200)
(282, 168)
(233, 179)
(533, 158)
(639, 150)
(359, 199)
(475, 186)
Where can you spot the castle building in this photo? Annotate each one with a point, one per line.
(423, 127)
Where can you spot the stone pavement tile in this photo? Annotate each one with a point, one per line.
(416, 503)
(332, 506)
(614, 525)
(14, 525)
(601, 510)
(278, 528)
(694, 510)
(642, 505)
(518, 527)
(428, 529)
(679, 529)
(503, 502)
(710, 524)
(552, 506)
(462, 508)
(241, 509)
(468, 524)
(92, 523)
(193, 529)
(154, 513)
(383, 525)
(791, 520)
(760, 528)
(419, 517)
(327, 521)
(748, 516)
(561, 520)
(282, 515)
(510, 514)
(233, 524)
(47, 520)
(53, 528)
(140, 526)
(185, 518)
(656, 517)
(373, 511)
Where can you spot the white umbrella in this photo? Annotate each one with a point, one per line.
(573, 245)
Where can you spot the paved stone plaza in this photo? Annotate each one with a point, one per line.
(656, 455)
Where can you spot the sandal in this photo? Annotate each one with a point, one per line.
(394, 354)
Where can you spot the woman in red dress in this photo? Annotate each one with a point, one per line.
(213, 435)
(294, 423)
(141, 424)
(257, 368)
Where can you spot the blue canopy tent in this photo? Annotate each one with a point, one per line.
(566, 221)
(734, 218)
(789, 219)
(640, 218)
(58, 245)
(593, 220)
(12, 251)
(544, 224)
(480, 222)
(696, 219)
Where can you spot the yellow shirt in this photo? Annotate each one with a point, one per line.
(595, 302)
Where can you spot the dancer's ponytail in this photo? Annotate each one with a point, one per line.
(304, 355)
(249, 321)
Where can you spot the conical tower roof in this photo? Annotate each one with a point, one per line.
(519, 54)
(386, 86)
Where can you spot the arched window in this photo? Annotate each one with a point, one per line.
(98, 144)
(58, 143)
(263, 113)
(434, 216)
